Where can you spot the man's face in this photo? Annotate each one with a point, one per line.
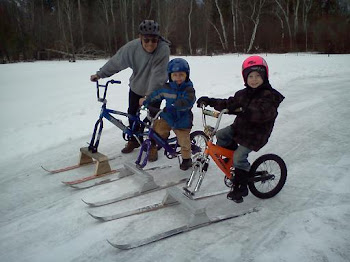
(149, 42)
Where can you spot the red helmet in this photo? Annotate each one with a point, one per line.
(255, 63)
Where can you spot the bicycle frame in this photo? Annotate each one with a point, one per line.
(169, 146)
(106, 113)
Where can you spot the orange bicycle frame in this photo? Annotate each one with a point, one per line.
(217, 153)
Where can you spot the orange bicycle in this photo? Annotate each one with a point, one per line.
(267, 174)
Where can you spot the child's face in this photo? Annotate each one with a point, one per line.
(254, 79)
(178, 77)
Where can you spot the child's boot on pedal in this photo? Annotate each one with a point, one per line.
(240, 186)
(153, 153)
(186, 164)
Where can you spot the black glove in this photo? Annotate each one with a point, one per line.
(204, 100)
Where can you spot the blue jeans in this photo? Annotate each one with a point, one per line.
(225, 139)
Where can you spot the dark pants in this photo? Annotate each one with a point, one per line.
(134, 106)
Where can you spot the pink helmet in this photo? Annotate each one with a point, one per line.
(255, 63)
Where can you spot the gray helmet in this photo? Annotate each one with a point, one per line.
(149, 27)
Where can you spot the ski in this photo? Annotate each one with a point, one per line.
(87, 178)
(178, 230)
(111, 178)
(150, 208)
(133, 194)
(72, 167)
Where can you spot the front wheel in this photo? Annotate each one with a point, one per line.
(198, 142)
(268, 174)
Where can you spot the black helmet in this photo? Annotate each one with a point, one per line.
(149, 27)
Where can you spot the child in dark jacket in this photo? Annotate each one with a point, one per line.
(252, 127)
(179, 95)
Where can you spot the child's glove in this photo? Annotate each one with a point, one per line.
(204, 100)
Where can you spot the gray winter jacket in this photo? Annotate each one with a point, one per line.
(149, 70)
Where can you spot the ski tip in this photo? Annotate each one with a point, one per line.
(96, 217)
(47, 170)
(88, 203)
(120, 246)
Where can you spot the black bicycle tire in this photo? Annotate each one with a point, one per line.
(282, 180)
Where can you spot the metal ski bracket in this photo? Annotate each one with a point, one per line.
(102, 165)
(197, 213)
(142, 176)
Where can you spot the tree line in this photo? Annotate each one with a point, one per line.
(80, 29)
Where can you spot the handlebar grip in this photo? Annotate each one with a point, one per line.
(115, 82)
(211, 113)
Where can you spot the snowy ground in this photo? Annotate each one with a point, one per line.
(48, 110)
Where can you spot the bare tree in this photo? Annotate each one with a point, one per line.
(296, 15)
(234, 12)
(81, 24)
(257, 5)
(225, 43)
(284, 10)
(307, 4)
(189, 28)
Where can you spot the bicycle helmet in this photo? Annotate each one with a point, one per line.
(149, 27)
(178, 65)
(255, 63)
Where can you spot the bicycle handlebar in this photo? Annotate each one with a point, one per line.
(105, 86)
(215, 114)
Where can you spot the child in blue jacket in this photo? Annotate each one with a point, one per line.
(179, 95)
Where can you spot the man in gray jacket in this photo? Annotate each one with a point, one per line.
(148, 57)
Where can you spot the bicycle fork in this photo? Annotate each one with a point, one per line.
(200, 166)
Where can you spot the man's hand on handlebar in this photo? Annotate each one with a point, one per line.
(94, 78)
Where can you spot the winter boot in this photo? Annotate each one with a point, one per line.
(153, 153)
(130, 146)
(240, 186)
(186, 164)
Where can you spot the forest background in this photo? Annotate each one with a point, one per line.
(87, 29)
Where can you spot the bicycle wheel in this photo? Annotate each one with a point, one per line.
(198, 142)
(269, 174)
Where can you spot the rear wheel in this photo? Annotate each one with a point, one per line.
(268, 175)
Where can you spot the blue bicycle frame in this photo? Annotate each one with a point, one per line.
(170, 145)
(128, 132)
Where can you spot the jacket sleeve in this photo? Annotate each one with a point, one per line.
(230, 103)
(155, 96)
(187, 99)
(118, 62)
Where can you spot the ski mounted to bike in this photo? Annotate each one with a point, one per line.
(178, 230)
(87, 158)
(150, 208)
(90, 181)
(197, 218)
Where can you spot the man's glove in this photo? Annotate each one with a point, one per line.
(169, 109)
(204, 100)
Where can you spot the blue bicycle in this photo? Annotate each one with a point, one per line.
(141, 129)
